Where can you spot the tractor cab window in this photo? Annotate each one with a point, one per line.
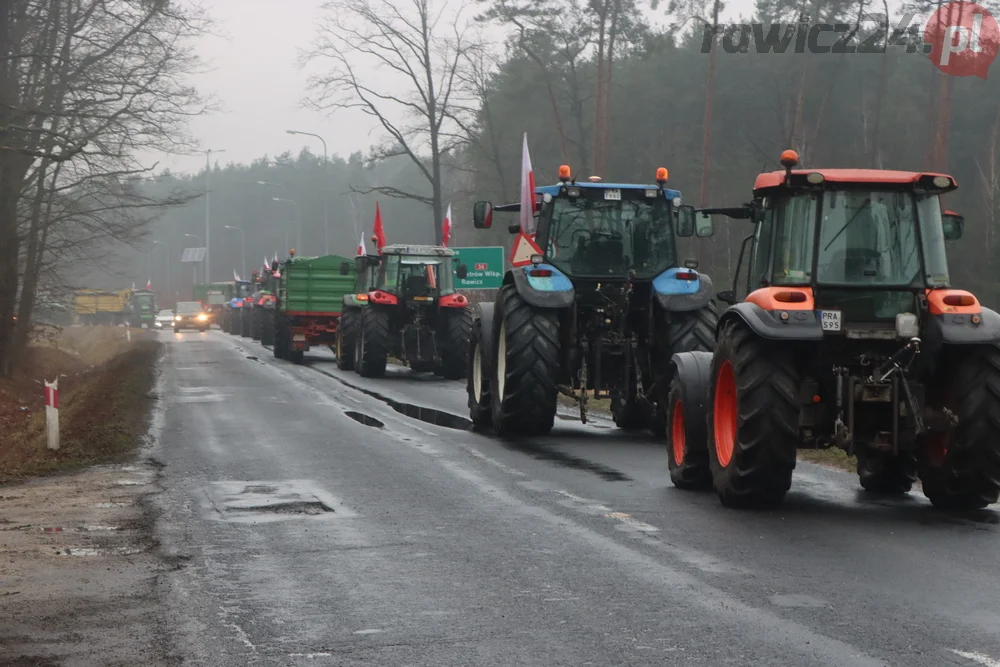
(417, 275)
(243, 290)
(868, 237)
(794, 221)
(932, 235)
(588, 236)
(145, 301)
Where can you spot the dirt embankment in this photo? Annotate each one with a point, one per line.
(105, 382)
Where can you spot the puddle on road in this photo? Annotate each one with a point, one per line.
(265, 501)
(362, 418)
(546, 453)
(305, 507)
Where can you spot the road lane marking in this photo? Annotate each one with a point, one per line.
(980, 658)
(368, 631)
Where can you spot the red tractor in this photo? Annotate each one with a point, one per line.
(849, 335)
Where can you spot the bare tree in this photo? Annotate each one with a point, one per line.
(417, 51)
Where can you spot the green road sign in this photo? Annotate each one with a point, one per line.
(485, 266)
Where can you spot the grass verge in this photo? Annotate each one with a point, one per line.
(104, 414)
(834, 458)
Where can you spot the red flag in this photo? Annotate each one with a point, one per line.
(446, 228)
(379, 230)
(527, 191)
(361, 246)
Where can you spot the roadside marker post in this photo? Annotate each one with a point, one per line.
(52, 413)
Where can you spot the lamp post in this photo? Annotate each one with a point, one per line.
(243, 246)
(208, 211)
(298, 221)
(326, 175)
(194, 267)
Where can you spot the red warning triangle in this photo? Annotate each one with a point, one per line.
(524, 248)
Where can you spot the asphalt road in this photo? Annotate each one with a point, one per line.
(314, 523)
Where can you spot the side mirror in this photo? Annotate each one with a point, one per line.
(703, 226)
(685, 220)
(482, 215)
(726, 296)
(462, 271)
(345, 268)
(952, 224)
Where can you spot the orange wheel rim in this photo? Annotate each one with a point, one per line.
(677, 432)
(724, 413)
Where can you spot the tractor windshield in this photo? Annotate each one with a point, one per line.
(145, 302)
(406, 273)
(243, 290)
(866, 237)
(598, 237)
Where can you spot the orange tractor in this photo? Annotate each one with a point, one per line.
(849, 335)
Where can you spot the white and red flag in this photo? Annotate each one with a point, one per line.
(361, 246)
(527, 191)
(446, 228)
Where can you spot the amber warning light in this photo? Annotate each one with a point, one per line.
(564, 173)
(661, 175)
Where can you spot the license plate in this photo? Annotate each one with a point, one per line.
(830, 319)
(299, 337)
(614, 195)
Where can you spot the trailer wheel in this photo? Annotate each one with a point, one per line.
(687, 412)
(374, 348)
(453, 343)
(691, 331)
(887, 474)
(754, 423)
(960, 468)
(267, 327)
(525, 366)
(347, 336)
(280, 337)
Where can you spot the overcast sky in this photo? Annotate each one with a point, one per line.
(253, 76)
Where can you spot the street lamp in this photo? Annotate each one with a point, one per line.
(194, 267)
(298, 221)
(326, 174)
(243, 245)
(208, 212)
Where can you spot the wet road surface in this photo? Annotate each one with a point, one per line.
(314, 523)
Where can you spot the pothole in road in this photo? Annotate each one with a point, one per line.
(362, 418)
(259, 488)
(305, 507)
(263, 501)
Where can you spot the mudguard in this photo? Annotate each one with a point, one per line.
(692, 370)
(800, 325)
(555, 291)
(958, 329)
(682, 295)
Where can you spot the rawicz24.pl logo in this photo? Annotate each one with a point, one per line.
(960, 38)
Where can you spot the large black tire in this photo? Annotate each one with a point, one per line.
(296, 357)
(687, 413)
(960, 469)
(374, 342)
(255, 323)
(453, 342)
(226, 322)
(691, 331)
(237, 321)
(280, 338)
(478, 376)
(754, 423)
(628, 413)
(525, 366)
(347, 337)
(886, 474)
(267, 326)
(245, 321)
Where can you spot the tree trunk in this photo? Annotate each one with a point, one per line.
(706, 142)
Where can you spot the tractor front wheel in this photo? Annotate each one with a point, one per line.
(754, 426)
(267, 327)
(525, 366)
(687, 413)
(374, 344)
(255, 323)
(960, 468)
(245, 322)
(347, 336)
(478, 378)
(690, 331)
(453, 342)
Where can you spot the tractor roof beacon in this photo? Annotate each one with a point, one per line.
(597, 314)
(850, 332)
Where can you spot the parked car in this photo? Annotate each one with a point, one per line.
(164, 319)
(190, 315)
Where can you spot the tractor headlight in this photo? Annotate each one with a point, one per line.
(177, 319)
(906, 325)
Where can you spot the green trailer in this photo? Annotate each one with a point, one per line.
(310, 298)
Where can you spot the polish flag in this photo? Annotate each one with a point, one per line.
(446, 228)
(379, 230)
(361, 246)
(149, 285)
(235, 277)
(527, 191)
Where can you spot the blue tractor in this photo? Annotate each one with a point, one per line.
(597, 314)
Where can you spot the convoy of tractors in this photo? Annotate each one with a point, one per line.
(841, 329)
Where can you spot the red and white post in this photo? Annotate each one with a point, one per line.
(52, 413)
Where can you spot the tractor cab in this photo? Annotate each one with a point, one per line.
(416, 274)
(243, 290)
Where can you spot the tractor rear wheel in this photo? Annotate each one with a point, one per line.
(245, 322)
(960, 468)
(453, 343)
(525, 366)
(347, 336)
(690, 331)
(267, 327)
(687, 408)
(255, 323)
(754, 424)
(280, 338)
(374, 343)
(887, 474)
